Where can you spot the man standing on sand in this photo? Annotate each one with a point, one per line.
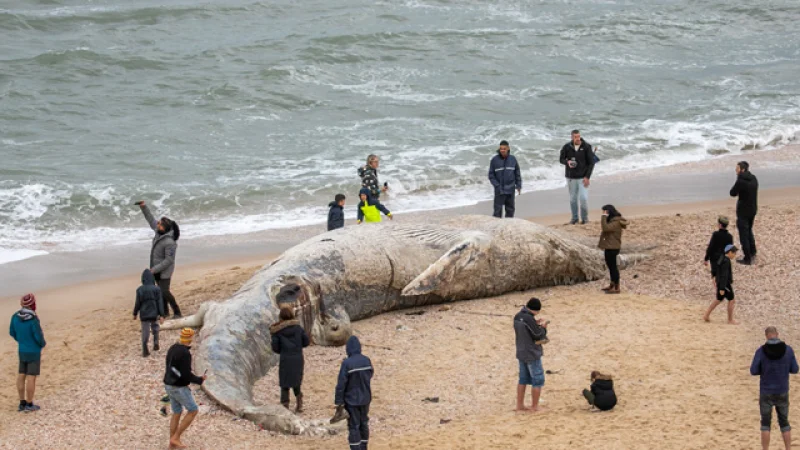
(27, 331)
(177, 377)
(746, 188)
(504, 174)
(773, 362)
(578, 159)
(530, 335)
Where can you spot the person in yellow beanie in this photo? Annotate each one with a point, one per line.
(176, 382)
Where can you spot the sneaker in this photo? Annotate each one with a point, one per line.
(22, 406)
(744, 261)
(583, 222)
(145, 353)
(156, 347)
(573, 221)
(30, 407)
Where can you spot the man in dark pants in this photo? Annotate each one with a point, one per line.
(746, 188)
(354, 393)
(773, 362)
(505, 176)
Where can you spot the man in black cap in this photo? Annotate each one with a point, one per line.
(724, 283)
(716, 246)
(746, 188)
(530, 333)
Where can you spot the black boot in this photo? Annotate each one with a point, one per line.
(145, 352)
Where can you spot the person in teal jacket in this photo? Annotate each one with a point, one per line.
(27, 331)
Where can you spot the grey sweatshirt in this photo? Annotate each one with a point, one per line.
(162, 253)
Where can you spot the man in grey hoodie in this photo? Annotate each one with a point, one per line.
(150, 308)
(531, 333)
(162, 256)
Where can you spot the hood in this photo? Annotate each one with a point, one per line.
(332, 204)
(365, 191)
(747, 177)
(604, 377)
(774, 349)
(353, 346)
(622, 221)
(148, 279)
(278, 326)
(26, 314)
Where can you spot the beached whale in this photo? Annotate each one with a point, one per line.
(361, 271)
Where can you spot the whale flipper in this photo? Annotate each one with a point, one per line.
(436, 278)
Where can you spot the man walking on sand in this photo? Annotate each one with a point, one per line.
(505, 176)
(746, 188)
(773, 362)
(27, 331)
(530, 335)
(177, 377)
(578, 159)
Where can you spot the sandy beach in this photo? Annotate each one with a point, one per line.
(682, 383)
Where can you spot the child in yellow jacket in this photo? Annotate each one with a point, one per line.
(370, 210)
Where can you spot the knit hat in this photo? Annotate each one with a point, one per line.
(723, 220)
(28, 301)
(730, 248)
(187, 334)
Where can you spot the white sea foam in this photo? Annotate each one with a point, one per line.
(8, 255)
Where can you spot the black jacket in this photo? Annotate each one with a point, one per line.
(288, 340)
(716, 247)
(724, 273)
(355, 375)
(179, 367)
(504, 174)
(335, 216)
(746, 188)
(584, 157)
(604, 396)
(149, 302)
(527, 332)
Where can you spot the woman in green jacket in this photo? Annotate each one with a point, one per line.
(612, 223)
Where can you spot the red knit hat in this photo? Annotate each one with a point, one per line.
(28, 301)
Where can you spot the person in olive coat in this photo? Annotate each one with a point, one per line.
(612, 223)
(288, 340)
(601, 394)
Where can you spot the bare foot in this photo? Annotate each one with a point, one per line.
(733, 322)
(707, 319)
(521, 410)
(175, 443)
(538, 409)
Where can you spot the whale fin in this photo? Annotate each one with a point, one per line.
(434, 279)
(193, 321)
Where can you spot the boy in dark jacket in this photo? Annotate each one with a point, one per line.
(716, 246)
(150, 308)
(288, 340)
(336, 213)
(505, 176)
(353, 392)
(370, 209)
(27, 331)
(774, 361)
(724, 284)
(177, 377)
(602, 394)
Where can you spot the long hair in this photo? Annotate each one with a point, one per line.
(612, 211)
(171, 225)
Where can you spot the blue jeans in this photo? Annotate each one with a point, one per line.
(576, 191)
(531, 373)
(180, 397)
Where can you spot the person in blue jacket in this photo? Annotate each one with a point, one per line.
(27, 331)
(336, 212)
(353, 392)
(773, 362)
(504, 174)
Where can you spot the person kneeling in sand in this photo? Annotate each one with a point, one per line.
(530, 333)
(601, 393)
(724, 284)
(176, 382)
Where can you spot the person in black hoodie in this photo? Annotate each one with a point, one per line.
(336, 213)
(724, 284)
(505, 176)
(177, 377)
(601, 393)
(773, 362)
(578, 159)
(288, 340)
(354, 393)
(149, 307)
(716, 246)
(746, 188)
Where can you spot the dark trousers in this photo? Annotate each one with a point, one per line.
(169, 299)
(285, 393)
(781, 404)
(358, 425)
(611, 262)
(506, 200)
(147, 327)
(746, 238)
